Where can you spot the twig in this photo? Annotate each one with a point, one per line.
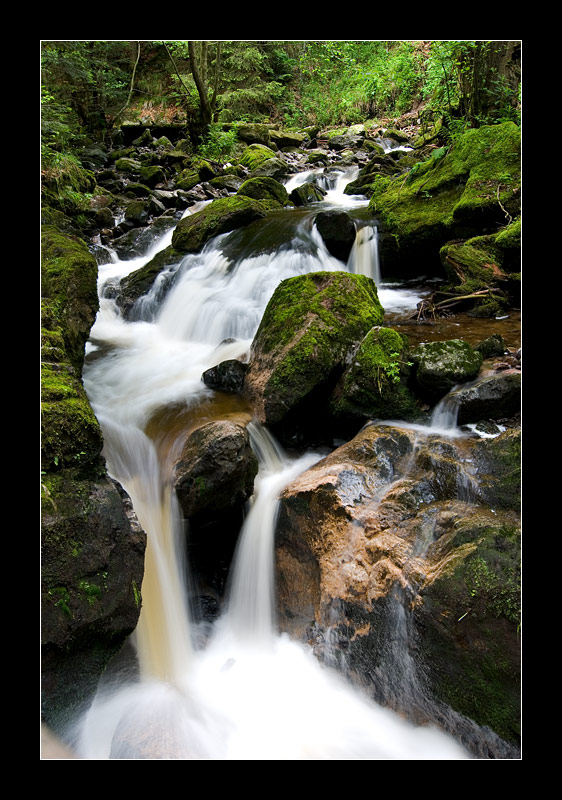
(509, 217)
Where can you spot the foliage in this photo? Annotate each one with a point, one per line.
(88, 81)
(472, 83)
(218, 144)
(345, 82)
(86, 85)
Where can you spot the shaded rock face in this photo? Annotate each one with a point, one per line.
(92, 568)
(214, 477)
(391, 561)
(338, 232)
(308, 331)
(496, 397)
(92, 560)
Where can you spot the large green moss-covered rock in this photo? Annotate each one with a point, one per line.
(466, 190)
(309, 329)
(488, 264)
(255, 156)
(260, 160)
(287, 139)
(265, 189)
(221, 216)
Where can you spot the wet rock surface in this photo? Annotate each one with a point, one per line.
(399, 525)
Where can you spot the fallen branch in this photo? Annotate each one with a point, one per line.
(429, 307)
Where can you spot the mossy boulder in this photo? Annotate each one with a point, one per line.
(466, 190)
(137, 212)
(69, 289)
(131, 166)
(261, 160)
(375, 384)
(309, 329)
(252, 133)
(265, 189)
(439, 366)
(221, 216)
(70, 433)
(485, 264)
(306, 193)
(187, 179)
(255, 155)
(152, 175)
(287, 139)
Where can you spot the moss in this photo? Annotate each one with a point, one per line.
(128, 165)
(70, 432)
(331, 299)
(90, 589)
(255, 155)
(152, 175)
(187, 179)
(499, 470)
(456, 191)
(471, 617)
(441, 365)
(136, 594)
(265, 188)
(309, 327)
(510, 237)
(375, 384)
(69, 290)
(221, 216)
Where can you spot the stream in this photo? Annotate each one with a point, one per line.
(235, 689)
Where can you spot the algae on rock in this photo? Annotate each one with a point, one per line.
(466, 190)
(308, 331)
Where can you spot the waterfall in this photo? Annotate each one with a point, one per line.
(364, 256)
(250, 614)
(445, 414)
(247, 692)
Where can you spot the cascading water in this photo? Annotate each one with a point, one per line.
(248, 693)
(364, 256)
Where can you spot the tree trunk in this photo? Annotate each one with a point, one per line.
(488, 78)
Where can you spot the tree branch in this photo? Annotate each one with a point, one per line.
(132, 81)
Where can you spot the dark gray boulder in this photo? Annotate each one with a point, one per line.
(216, 469)
(338, 232)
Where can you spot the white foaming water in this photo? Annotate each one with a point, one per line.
(249, 693)
(364, 256)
